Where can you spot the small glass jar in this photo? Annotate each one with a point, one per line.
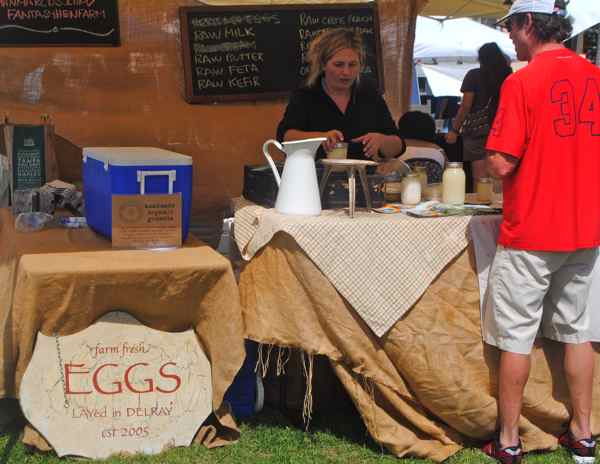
(484, 190)
(497, 196)
(454, 184)
(421, 171)
(433, 192)
(411, 189)
(392, 191)
(339, 151)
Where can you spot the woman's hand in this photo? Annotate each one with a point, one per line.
(333, 136)
(372, 143)
(451, 137)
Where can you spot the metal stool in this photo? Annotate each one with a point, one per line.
(352, 167)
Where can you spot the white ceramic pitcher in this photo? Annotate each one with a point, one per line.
(298, 186)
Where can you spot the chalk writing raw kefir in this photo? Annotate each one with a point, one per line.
(454, 184)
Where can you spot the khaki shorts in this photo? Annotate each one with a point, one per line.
(529, 289)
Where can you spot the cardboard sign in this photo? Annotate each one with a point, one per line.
(28, 157)
(117, 387)
(146, 221)
(31, 154)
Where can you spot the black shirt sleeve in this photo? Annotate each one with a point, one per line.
(471, 81)
(296, 114)
(386, 122)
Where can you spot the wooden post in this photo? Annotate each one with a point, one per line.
(398, 22)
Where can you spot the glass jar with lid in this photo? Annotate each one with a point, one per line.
(411, 189)
(484, 190)
(454, 184)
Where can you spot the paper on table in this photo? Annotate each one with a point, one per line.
(431, 209)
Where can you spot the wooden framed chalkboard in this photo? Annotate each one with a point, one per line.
(59, 22)
(257, 52)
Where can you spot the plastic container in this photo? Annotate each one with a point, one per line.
(245, 393)
(454, 184)
(111, 171)
(32, 221)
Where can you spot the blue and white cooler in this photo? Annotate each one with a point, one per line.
(109, 171)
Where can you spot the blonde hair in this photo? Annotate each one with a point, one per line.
(327, 44)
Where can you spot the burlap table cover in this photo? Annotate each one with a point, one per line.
(428, 386)
(362, 256)
(59, 280)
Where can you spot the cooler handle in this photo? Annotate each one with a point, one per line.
(141, 178)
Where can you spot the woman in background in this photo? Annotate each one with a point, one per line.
(338, 105)
(480, 87)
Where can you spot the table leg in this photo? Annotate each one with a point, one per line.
(351, 190)
(326, 174)
(362, 174)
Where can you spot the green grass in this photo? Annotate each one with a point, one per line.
(272, 438)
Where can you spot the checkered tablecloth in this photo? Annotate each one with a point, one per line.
(380, 263)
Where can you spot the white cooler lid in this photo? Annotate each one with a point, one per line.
(136, 156)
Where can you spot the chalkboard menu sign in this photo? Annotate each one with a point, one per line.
(59, 22)
(254, 52)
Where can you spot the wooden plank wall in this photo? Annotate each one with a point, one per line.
(133, 95)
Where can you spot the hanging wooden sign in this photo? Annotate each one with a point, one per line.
(59, 22)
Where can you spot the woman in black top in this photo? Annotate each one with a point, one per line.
(480, 86)
(338, 105)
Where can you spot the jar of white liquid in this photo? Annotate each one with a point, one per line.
(411, 189)
(454, 184)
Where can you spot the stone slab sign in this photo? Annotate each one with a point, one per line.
(117, 387)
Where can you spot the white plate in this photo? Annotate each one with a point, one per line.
(348, 162)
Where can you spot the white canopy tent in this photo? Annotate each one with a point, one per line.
(452, 44)
(445, 50)
(445, 79)
(584, 13)
(456, 39)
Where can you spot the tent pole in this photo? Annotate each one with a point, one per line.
(398, 23)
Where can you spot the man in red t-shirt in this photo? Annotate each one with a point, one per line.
(545, 145)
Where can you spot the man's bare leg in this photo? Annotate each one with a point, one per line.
(579, 371)
(514, 372)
